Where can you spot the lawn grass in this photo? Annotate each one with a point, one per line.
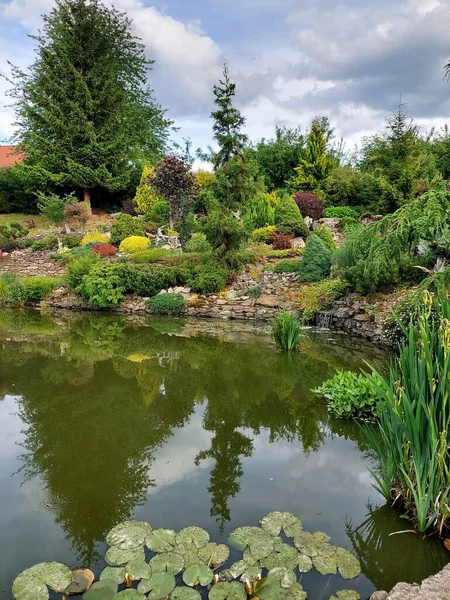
(44, 226)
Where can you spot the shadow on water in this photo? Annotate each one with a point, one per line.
(169, 420)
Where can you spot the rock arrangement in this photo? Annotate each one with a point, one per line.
(436, 587)
(26, 263)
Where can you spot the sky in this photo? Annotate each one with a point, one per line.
(350, 60)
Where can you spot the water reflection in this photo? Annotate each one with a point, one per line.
(99, 397)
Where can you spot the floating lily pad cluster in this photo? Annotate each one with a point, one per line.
(186, 563)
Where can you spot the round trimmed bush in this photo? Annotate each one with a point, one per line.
(263, 234)
(297, 228)
(134, 243)
(288, 266)
(287, 210)
(208, 279)
(125, 226)
(104, 249)
(316, 262)
(167, 304)
(94, 237)
(326, 237)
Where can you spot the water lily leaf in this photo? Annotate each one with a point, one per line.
(159, 585)
(285, 576)
(161, 540)
(245, 571)
(193, 536)
(138, 569)
(29, 588)
(167, 562)
(138, 358)
(227, 591)
(346, 595)
(117, 574)
(304, 563)
(259, 541)
(348, 565)
(214, 554)
(101, 590)
(190, 555)
(117, 557)
(283, 556)
(309, 543)
(197, 575)
(296, 592)
(276, 521)
(82, 579)
(130, 594)
(184, 593)
(129, 534)
(326, 564)
(54, 574)
(249, 559)
(271, 589)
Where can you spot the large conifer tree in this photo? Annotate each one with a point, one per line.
(85, 112)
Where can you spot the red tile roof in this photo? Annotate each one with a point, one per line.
(10, 156)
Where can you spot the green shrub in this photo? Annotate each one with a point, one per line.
(224, 232)
(263, 234)
(150, 256)
(134, 243)
(316, 262)
(208, 279)
(26, 290)
(94, 237)
(149, 280)
(286, 331)
(326, 237)
(296, 228)
(52, 206)
(237, 259)
(124, 226)
(198, 243)
(190, 259)
(49, 242)
(347, 222)
(288, 266)
(103, 285)
(167, 304)
(312, 298)
(254, 292)
(340, 212)
(287, 210)
(160, 212)
(70, 240)
(260, 211)
(80, 266)
(13, 231)
(352, 395)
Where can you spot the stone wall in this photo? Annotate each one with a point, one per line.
(26, 263)
(436, 587)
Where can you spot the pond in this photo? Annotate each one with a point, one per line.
(183, 423)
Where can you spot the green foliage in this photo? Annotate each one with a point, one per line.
(263, 234)
(278, 157)
(291, 265)
(347, 222)
(351, 395)
(254, 292)
(228, 122)
(296, 228)
(287, 210)
(146, 196)
(52, 206)
(236, 183)
(103, 285)
(316, 164)
(224, 232)
(198, 243)
(79, 267)
(176, 184)
(413, 435)
(134, 243)
(167, 304)
(286, 331)
(94, 237)
(261, 211)
(124, 226)
(50, 242)
(312, 298)
(339, 212)
(386, 251)
(160, 212)
(326, 237)
(343, 187)
(85, 111)
(18, 190)
(26, 290)
(208, 279)
(150, 256)
(149, 280)
(316, 261)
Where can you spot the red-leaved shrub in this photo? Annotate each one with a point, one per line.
(310, 205)
(282, 241)
(104, 249)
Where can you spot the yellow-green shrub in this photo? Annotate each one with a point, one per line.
(263, 233)
(134, 243)
(94, 237)
(146, 197)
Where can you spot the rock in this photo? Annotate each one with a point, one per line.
(379, 596)
(270, 301)
(221, 302)
(308, 222)
(298, 242)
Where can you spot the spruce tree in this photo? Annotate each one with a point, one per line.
(316, 164)
(228, 122)
(85, 112)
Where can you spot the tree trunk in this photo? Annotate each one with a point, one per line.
(87, 200)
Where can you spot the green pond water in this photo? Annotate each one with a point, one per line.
(183, 423)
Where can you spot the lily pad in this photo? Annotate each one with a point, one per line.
(167, 562)
(249, 559)
(29, 588)
(190, 555)
(271, 589)
(276, 521)
(259, 541)
(130, 594)
(159, 585)
(101, 590)
(32, 583)
(129, 534)
(346, 595)
(326, 563)
(184, 593)
(138, 569)
(116, 557)
(348, 565)
(82, 579)
(283, 556)
(193, 536)
(227, 591)
(117, 574)
(296, 592)
(161, 540)
(197, 575)
(285, 576)
(309, 543)
(214, 554)
(244, 571)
